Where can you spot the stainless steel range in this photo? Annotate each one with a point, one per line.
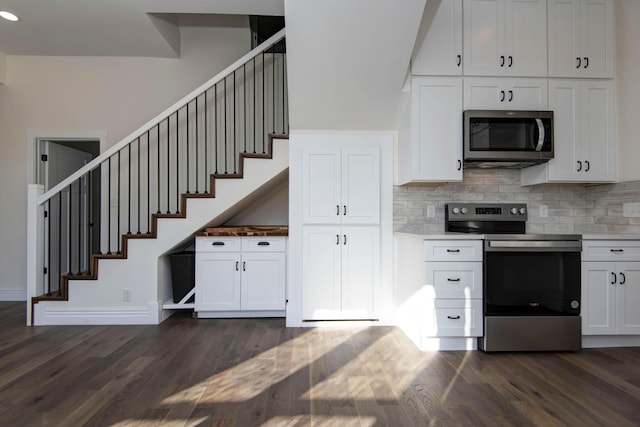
(531, 281)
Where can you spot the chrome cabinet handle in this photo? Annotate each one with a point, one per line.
(623, 278)
(453, 317)
(614, 278)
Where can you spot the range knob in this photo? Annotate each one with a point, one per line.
(464, 211)
(522, 211)
(514, 211)
(456, 210)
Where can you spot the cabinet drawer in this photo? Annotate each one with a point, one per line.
(454, 279)
(264, 244)
(217, 244)
(455, 318)
(453, 250)
(611, 250)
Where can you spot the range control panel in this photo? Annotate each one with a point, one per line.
(486, 212)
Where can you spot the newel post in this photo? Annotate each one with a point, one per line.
(35, 245)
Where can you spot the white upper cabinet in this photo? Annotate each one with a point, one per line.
(495, 93)
(341, 185)
(439, 49)
(581, 38)
(505, 38)
(584, 134)
(435, 150)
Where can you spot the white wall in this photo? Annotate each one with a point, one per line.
(628, 88)
(3, 67)
(87, 94)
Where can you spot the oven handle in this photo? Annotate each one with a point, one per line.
(533, 246)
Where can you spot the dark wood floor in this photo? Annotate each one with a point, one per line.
(251, 372)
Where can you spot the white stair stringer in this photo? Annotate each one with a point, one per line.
(141, 277)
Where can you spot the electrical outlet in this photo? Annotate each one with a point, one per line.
(126, 295)
(431, 211)
(631, 210)
(544, 211)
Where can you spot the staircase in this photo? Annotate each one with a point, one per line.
(99, 257)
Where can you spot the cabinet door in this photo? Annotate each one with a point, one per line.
(436, 129)
(263, 281)
(526, 94)
(321, 273)
(484, 93)
(628, 297)
(321, 185)
(484, 37)
(598, 298)
(564, 100)
(440, 52)
(526, 38)
(217, 281)
(360, 271)
(360, 185)
(597, 38)
(564, 35)
(598, 140)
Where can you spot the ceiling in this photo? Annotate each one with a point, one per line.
(147, 28)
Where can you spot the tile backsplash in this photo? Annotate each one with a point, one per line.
(572, 208)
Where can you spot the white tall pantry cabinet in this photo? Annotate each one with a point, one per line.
(340, 228)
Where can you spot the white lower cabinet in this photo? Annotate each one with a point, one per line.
(610, 288)
(240, 276)
(341, 272)
(453, 294)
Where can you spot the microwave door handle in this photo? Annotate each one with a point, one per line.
(541, 135)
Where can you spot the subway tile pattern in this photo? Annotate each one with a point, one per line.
(572, 208)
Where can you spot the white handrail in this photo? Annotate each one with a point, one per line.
(160, 117)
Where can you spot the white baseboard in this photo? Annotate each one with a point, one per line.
(13, 294)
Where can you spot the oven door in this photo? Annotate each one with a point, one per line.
(532, 278)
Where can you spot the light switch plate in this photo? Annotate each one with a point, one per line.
(631, 210)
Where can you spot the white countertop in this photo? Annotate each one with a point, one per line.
(610, 237)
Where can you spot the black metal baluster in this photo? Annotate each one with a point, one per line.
(109, 207)
(177, 163)
(90, 225)
(215, 125)
(139, 203)
(225, 126)
(148, 182)
(244, 103)
(273, 89)
(264, 124)
(206, 144)
(197, 161)
(119, 191)
(48, 219)
(187, 124)
(168, 169)
(255, 79)
(59, 275)
(129, 192)
(79, 225)
(69, 231)
(158, 159)
(235, 129)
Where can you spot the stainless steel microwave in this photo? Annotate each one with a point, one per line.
(512, 139)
